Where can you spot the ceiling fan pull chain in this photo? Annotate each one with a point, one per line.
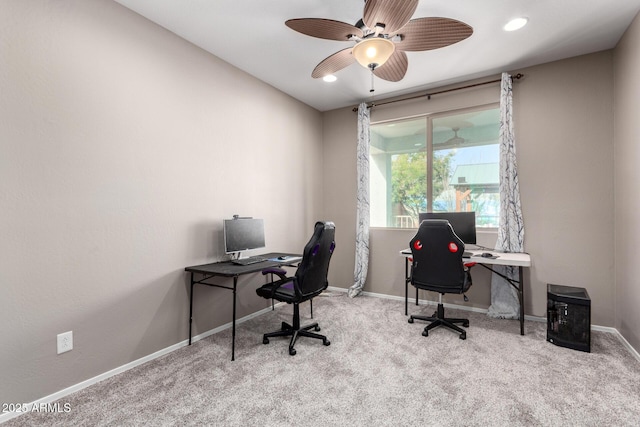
(372, 89)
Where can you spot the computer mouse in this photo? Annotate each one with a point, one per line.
(486, 255)
(282, 257)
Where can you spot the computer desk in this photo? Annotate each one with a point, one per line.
(229, 269)
(510, 259)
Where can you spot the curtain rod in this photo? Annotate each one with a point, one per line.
(428, 95)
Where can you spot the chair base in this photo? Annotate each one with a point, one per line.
(295, 331)
(438, 319)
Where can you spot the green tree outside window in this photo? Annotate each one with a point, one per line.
(409, 183)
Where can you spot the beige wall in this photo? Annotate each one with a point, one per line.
(339, 178)
(627, 182)
(122, 149)
(564, 126)
(564, 130)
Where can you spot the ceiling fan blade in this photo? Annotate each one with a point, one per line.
(395, 68)
(324, 28)
(333, 63)
(394, 14)
(432, 33)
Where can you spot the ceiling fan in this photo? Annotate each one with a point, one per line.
(455, 124)
(381, 37)
(455, 139)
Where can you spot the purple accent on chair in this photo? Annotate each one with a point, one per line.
(316, 248)
(333, 246)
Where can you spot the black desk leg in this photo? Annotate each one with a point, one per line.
(273, 304)
(191, 308)
(521, 298)
(406, 286)
(233, 328)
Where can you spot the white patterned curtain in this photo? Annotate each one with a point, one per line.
(504, 298)
(362, 216)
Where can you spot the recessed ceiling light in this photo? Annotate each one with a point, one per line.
(515, 24)
(330, 78)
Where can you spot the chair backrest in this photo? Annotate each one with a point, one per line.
(437, 258)
(311, 276)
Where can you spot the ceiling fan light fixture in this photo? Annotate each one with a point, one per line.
(329, 78)
(373, 52)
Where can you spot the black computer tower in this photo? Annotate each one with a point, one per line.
(569, 317)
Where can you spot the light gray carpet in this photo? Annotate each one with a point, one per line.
(379, 370)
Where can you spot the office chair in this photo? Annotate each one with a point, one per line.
(437, 266)
(308, 282)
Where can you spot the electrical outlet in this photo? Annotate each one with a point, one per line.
(65, 342)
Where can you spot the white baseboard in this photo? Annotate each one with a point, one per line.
(84, 384)
(622, 339)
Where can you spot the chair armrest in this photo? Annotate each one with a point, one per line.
(469, 264)
(281, 273)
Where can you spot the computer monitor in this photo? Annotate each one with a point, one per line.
(243, 234)
(463, 223)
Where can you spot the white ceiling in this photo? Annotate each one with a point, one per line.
(251, 35)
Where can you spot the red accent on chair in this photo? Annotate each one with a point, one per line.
(453, 247)
(417, 245)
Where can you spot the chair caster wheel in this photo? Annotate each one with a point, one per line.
(465, 324)
(265, 340)
(317, 329)
(292, 351)
(326, 342)
(410, 320)
(463, 336)
(425, 333)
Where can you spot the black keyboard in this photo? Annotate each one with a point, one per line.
(249, 260)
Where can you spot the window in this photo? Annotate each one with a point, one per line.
(445, 162)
